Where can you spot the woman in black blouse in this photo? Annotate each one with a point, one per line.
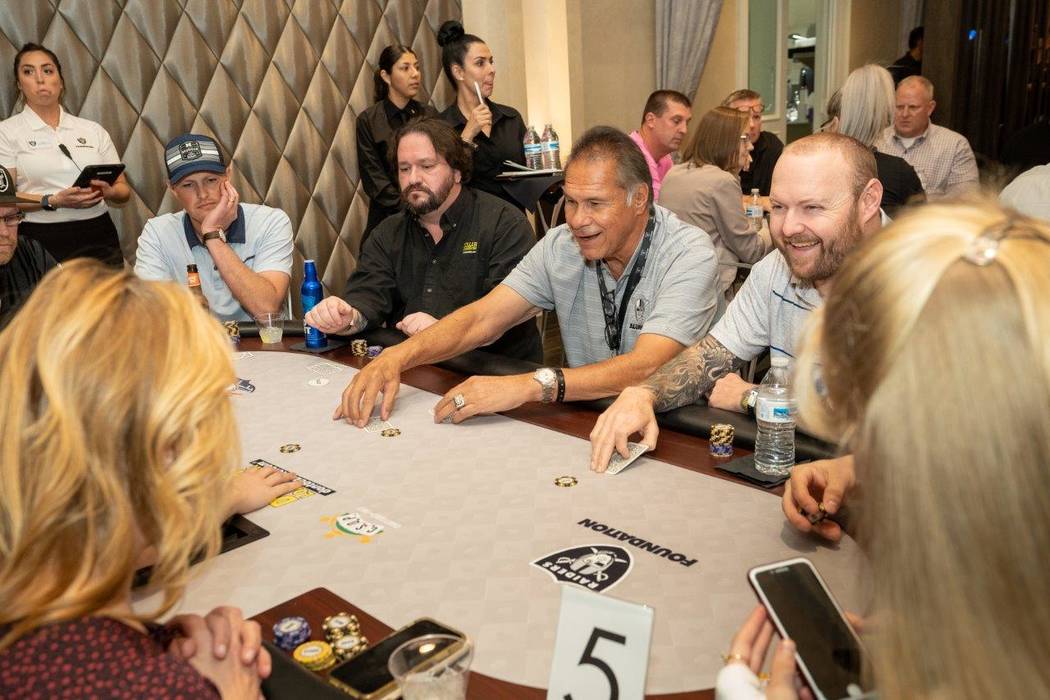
(397, 81)
(495, 131)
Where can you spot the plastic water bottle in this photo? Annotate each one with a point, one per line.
(754, 211)
(551, 149)
(533, 149)
(775, 410)
(311, 294)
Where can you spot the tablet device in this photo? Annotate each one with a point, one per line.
(108, 173)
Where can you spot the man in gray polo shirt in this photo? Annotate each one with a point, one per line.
(243, 252)
(632, 286)
(825, 200)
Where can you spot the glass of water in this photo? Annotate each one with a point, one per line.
(270, 328)
(434, 667)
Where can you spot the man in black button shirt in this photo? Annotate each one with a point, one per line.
(910, 63)
(22, 262)
(449, 247)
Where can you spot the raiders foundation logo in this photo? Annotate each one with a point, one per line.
(191, 150)
(592, 567)
(82, 141)
(5, 184)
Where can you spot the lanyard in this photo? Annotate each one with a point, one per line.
(613, 318)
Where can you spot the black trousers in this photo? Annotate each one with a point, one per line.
(90, 238)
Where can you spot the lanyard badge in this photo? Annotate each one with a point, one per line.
(614, 317)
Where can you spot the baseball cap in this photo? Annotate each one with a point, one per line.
(8, 191)
(192, 153)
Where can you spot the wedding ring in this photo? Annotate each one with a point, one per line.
(459, 402)
(733, 658)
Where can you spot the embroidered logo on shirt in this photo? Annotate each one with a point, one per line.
(639, 314)
(81, 140)
(470, 247)
(32, 144)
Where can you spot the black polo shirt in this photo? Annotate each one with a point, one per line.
(375, 131)
(505, 143)
(401, 270)
(763, 159)
(20, 275)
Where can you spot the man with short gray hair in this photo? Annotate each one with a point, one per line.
(632, 286)
(941, 157)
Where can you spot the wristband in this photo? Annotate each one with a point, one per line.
(46, 205)
(561, 384)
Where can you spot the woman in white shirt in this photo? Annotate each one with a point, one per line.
(45, 148)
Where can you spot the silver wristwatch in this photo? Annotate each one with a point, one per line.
(548, 381)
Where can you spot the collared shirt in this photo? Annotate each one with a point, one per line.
(674, 298)
(505, 143)
(1029, 193)
(941, 157)
(763, 159)
(375, 130)
(260, 236)
(20, 275)
(770, 310)
(31, 147)
(657, 168)
(402, 271)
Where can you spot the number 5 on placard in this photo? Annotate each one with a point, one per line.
(602, 648)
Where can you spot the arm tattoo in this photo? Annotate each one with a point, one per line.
(691, 374)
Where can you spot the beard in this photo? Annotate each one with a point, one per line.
(434, 198)
(832, 253)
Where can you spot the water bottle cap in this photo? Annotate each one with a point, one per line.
(779, 361)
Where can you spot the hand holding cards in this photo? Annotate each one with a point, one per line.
(617, 463)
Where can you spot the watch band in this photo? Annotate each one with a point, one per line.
(748, 401)
(561, 384)
(547, 379)
(212, 235)
(46, 205)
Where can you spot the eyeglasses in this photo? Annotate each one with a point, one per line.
(12, 220)
(756, 111)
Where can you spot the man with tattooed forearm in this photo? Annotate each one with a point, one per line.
(824, 201)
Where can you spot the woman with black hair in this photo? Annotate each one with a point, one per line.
(397, 81)
(45, 148)
(496, 132)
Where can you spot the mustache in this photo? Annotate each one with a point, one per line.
(418, 187)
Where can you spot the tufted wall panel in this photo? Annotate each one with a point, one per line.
(278, 83)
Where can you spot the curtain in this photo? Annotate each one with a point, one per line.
(684, 31)
(910, 18)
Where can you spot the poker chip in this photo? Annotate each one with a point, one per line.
(337, 626)
(721, 440)
(359, 348)
(290, 632)
(291, 447)
(566, 481)
(315, 655)
(374, 350)
(390, 432)
(349, 645)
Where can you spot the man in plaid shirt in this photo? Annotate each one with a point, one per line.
(942, 158)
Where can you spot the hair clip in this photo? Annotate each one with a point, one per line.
(983, 250)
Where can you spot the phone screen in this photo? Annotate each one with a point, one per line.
(825, 643)
(367, 672)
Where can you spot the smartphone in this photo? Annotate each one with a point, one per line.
(366, 675)
(108, 173)
(828, 651)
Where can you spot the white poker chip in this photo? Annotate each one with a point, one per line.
(318, 381)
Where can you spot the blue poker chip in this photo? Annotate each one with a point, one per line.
(290, 632)
(374, 350)
(724, 450)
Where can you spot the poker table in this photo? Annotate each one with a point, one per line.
(466, 515)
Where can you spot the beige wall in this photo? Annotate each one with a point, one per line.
(616, 58)
(873, 32)
(499, 23)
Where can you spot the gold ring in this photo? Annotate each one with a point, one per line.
(733, 658)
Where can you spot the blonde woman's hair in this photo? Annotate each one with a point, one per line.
(118, 433)
(936, 374)
(866, 104)
(717, 139)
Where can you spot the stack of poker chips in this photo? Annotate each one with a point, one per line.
(315, 655)
(359, 347)
(721, 440)
(344, 633)
(290, 632)
(374, 350)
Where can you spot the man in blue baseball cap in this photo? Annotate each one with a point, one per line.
(243, 252)
(23, 261)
